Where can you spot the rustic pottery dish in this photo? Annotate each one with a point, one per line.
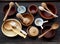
(32, 31)
(50, 34)
(9, 33)
(33, 9)
(30, 17)
(12, 11)
(46, 15)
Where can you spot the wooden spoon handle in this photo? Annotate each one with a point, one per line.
(7, 13)
(21, 16)
(23, 32)
(51, 13)
(17, 4)
(44, 33)
(19, 33)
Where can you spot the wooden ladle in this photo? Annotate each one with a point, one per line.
(53, 27)
(10, 6)
(25, 20)
(45, 6)
(12, 26)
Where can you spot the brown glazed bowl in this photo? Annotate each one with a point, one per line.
(29, 16)
(33, 9)
(50, 34)
(32, 32)
(12, 11)
(46, 15)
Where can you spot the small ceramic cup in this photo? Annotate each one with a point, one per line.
(21, 9)
(39, 22)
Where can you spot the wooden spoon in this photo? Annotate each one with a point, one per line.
(10, 26)
(10, 6)
(45, 6)
(42, 9)
(25, 20)
(53, 27)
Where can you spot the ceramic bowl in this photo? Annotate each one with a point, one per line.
(33, 9)
(32, 32)
(12, 11)
(46, 15)
(29, 16)
(9, 33)
(50, 34)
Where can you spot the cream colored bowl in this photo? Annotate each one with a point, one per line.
(10, 33)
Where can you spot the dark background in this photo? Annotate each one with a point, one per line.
(19, 40)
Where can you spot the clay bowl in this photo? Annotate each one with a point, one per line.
(46, 15)
(32, 9)
(12, 11)
(50, 34)
(32, 32)
(9, 33)
(29, 16)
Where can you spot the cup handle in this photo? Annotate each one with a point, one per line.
(45, 21)
(42, 27)
(23, 32)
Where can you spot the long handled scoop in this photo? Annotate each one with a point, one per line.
(25, 20)
(10, 6)
(42, 9)
(54, 27)
(13, 28)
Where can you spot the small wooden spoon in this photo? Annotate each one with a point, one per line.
(10, 6)
(45, 6)
(42, 9)
(10, 26)
(53, 27)
(25, 20)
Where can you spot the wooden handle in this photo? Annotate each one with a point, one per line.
(17, 4)
(23, 32)
(44, 33)
(51, 13)
(20, 16)
(7, 13)
(19, 33)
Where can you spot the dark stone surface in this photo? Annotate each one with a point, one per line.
(18, 39)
